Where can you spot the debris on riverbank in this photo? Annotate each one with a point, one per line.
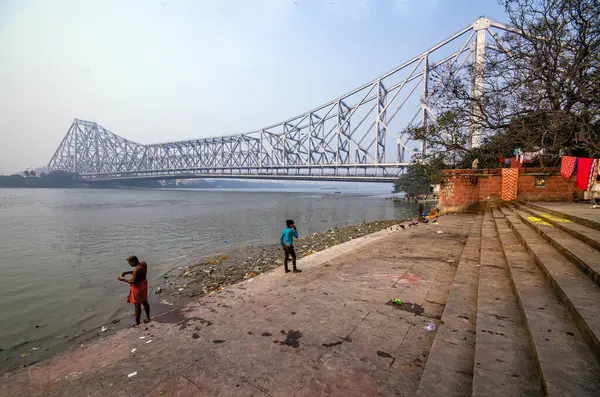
(198, 279)
(216, 272)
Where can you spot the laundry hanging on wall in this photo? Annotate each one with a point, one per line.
(584, 173)
(594, 171)
(567, 166)
(510, 183)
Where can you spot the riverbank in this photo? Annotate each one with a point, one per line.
(201, 277)
(214, 273)
(274, 334)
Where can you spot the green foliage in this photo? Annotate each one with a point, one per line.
(414, 181)
(543, 96)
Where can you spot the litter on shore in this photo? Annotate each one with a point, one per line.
(238, 264)
(430, 327)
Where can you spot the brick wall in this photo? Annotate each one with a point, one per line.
(463, 189)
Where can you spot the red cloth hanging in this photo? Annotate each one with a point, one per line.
(584, 169)
(510, 184)
(567, 166)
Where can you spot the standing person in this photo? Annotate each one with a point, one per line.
(138, 288)
(287, 242)
(421, 212)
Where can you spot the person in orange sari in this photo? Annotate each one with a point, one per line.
(138, 288)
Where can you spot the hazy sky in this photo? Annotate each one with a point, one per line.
(155, 71)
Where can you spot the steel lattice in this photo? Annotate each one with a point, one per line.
(345, 139)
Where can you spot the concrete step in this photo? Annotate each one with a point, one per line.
(583, 255)
(504, 364)
(577, 291)
(586, 234)
(588, 222)
(563, 359)
(449, 367)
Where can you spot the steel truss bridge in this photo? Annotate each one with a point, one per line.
(356, 137)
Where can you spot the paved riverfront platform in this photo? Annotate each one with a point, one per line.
(502, 303)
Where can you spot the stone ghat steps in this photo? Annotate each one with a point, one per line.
(590, 223)
(523, 315)
(449, 367)
(571, 278)
(564, 361)
(580, 244)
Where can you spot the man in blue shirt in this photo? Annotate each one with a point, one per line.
(287, 242)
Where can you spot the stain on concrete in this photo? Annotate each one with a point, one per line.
(493, 332)
(417, 362)
(292, 338)
(178, 317)
(570, 333)
(195, 335)
(386, 355)
(218, 341)
(250, 332)
(332, 344)
(468, 373)
(408, 307)
(266, 334)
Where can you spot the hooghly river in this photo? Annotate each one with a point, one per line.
(61, 250)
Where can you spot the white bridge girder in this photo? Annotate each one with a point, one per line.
(344, 139)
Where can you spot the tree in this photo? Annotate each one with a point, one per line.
(541, 89)
(558, 50)
(413, 182)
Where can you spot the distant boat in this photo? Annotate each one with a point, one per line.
(338, 192)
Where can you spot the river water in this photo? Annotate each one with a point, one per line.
(61, 250)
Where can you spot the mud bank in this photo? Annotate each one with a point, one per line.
(212, 274)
